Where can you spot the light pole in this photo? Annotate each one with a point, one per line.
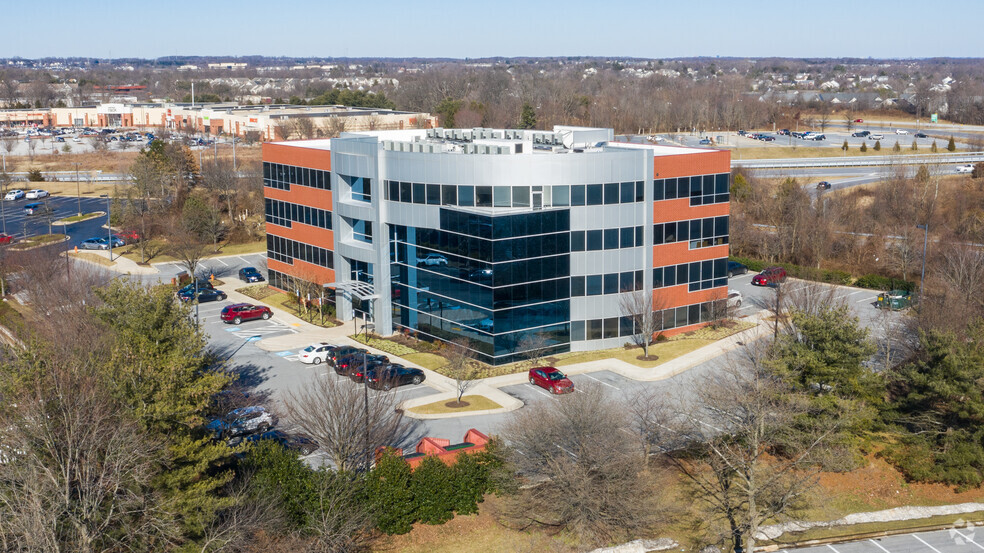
(365, 390)
(922, 278)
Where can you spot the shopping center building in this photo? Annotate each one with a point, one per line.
(503, 238)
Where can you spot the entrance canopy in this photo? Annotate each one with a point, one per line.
(359, 289)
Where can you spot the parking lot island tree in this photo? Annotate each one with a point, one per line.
(644, 308)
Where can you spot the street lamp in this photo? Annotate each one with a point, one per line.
(78, 188)
(922, 279)
(109, 223)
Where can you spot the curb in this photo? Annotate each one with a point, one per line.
(63, 223)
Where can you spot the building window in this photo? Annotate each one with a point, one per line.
(361, 187)
(362, 231)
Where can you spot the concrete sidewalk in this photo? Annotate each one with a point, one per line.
(122, 265)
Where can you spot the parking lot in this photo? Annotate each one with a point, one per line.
(17, 223)
(954, 540)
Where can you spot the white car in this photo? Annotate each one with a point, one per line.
(734, 299)
(316, 353)
(901, 131)
(36, 194)
(14, 195)
(432, 259)
(965, 168)
(875, 137)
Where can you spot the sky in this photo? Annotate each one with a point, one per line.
(510, 28)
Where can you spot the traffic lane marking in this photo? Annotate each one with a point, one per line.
(600, 381)
(925, 543)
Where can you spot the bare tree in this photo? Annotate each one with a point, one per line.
(75, 469)
(460, 366)
(848, 121)
(187, 248)
(347, 422)
(646, 311)
(741, 460)
(582, 471)
(333, 127)
(534, 347)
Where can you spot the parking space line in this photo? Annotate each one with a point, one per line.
(243, 259)
(832, 548)
(879, 546)
(926, 544)
(872, 298)
(968, 538)
(537, 388)
(220, 261)
(855, 292)
(599, 381)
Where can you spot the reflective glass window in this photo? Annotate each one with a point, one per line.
(594, 194)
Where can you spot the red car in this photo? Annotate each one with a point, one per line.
(129, 235)
(771, 276)
(859, 120)
(239, 312)
(6, 239)
(552, 379)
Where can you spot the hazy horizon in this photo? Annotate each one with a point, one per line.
(632, 28)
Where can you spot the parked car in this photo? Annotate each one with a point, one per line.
(352, 365)
(294, 442)
(894, 300)
(118, 241)
(204, 295)
(239, 312)
(734, 299)
(36, 194)
(551, 379)
(432, 259)
(921, 135)
(818, 137)
(876, 137)
(965, 168)
(129, 235)
(823, 185)
(190, 287)
(245, 420)
(735, 268)
(94, 244)
(767, 138)
(705, 141)
(37, 208)
(14, 195)
(770, 276)
(316, 353)
(250, 274)
(387, 377)
(340, 352)
(6, 239)
(859, 120)
(783, 132)
(860, 134)
(901, 131)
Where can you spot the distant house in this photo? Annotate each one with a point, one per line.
(473, 442)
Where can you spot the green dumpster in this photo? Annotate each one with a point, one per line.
(894, 300)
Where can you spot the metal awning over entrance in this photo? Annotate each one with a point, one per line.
(359, 289)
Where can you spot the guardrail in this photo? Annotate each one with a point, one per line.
(966, 157)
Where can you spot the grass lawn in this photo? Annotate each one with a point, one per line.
(94, 258)
(38, 240)
(475, 403)
(663, 352)
(853, 151)
(77, 218)
(155, 252)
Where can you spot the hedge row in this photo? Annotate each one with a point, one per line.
(874, 282)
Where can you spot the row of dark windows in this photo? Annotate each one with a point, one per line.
(615, 327)
(284, 213)
(607, 239)
(537, 197)
(701, 189)
(281, 177)
(480, 249)
(479, 272)
(287, 250)
(611, 283)
(699, 275)
(505, 226)
(701, 233)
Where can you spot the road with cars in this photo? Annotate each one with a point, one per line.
(16, 222)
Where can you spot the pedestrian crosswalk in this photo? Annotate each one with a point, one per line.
(261, 328)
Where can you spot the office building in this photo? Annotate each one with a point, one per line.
(502, 238)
